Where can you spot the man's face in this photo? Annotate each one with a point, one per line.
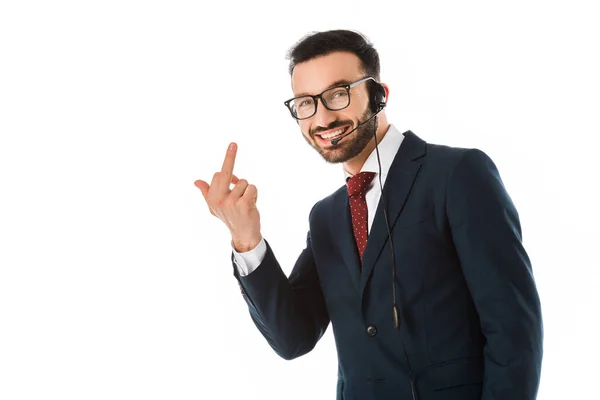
(313, 77)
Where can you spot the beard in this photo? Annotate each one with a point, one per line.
(348, 147)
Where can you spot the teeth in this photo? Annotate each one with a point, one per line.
(333, 134)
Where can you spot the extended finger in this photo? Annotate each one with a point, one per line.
(229, 161)
(222, 179)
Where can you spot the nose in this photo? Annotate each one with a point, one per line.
(323, 117)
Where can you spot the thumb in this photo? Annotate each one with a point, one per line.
(203, 186)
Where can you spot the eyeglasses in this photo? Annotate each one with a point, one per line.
(334, 99)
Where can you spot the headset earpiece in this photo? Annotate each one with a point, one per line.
(377, 102)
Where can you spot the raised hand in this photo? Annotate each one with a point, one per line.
(235, 207)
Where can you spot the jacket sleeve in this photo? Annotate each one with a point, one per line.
(290, 313)
(248, 261)
(487, 236)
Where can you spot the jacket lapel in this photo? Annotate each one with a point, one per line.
(401, 177)
(342, 230)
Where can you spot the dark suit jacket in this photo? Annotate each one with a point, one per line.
(470, 312)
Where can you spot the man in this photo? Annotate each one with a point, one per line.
(443, 304)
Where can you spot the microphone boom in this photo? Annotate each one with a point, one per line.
(336, 140)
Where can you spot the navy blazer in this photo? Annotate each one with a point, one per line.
(470, 313)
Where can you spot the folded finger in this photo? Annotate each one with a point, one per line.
(239, 189)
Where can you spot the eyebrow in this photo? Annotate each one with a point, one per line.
(336, 83)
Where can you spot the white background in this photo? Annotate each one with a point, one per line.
(115, 280)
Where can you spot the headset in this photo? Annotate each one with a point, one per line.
(376, 105)
(377, 102)
(377, 96)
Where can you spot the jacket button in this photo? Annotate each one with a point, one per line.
(371, 330)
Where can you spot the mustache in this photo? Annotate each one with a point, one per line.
(333, 125)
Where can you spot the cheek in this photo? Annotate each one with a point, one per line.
(305, 129)
(360, 107)
(354, 111)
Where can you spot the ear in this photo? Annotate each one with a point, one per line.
(387, 91)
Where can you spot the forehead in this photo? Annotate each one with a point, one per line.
(316, 75)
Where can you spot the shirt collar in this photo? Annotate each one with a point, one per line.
(388, 147)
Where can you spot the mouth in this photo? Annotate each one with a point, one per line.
(325, 137)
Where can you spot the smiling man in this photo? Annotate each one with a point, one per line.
(342, 115)
(416, 260)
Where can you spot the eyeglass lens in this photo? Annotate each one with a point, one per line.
(335, 98)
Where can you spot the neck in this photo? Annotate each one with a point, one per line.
(354, 165)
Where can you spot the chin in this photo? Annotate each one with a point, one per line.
(334, 155)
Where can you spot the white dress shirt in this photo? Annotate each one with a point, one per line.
(248, 261)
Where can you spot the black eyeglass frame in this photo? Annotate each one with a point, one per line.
(319, 96)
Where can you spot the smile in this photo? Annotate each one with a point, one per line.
(328, 135)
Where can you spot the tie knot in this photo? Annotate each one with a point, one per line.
(359, 183)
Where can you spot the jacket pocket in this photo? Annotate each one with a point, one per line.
(449, 374)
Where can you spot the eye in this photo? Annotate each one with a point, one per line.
(305, 103)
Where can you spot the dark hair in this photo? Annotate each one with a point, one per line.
(323, 43)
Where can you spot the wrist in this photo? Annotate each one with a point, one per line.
(244, 245)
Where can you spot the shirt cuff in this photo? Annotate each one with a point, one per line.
(248, 261)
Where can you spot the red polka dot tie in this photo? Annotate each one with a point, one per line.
(357, 188)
